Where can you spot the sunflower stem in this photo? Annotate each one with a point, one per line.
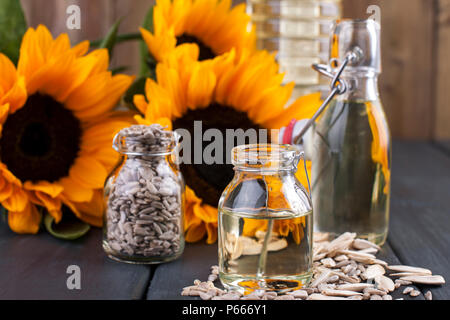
(120, 38)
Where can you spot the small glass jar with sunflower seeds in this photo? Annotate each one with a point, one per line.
(265, 222)
(144, 197)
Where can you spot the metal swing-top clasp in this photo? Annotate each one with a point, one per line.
(338, 86)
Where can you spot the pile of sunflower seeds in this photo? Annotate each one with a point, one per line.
(345, 268)
(144, 203)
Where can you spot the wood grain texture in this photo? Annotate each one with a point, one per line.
(406, 83)
(96, 19)
(34, 267)
(419, 225)
(442, 71)
(170, 278)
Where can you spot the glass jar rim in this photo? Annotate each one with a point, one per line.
(265, 156)
(123, 144)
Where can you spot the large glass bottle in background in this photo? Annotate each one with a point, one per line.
(352, 149)
(298, 30)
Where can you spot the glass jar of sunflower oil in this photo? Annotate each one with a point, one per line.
(351, 154)
(298, 31)
(265, 222)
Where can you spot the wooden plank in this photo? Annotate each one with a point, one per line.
(96, 17)
(133, 14)
(420, 205)
(34, 267)
(169, 279)
(443, 145)
(442, 71)
(407, 44)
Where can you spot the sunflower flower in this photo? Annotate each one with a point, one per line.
(212, 25)
(56, 129)
(224, 93)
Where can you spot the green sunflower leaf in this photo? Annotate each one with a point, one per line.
(119, 69)
(12, 28)
(138, 87)
(69, 228)
(110, 40)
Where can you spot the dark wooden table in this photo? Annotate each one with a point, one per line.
(34, 267)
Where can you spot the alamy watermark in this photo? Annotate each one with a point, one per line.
(74, 19)
(73, 282)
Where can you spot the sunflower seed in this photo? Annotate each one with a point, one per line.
(328, 262)
(435, 280)
(406, 274)
(302, 294)
(384, 283)
(414, 293)
(401, 268)
(364, 244)
(343, 281)
(408, 290)
(340, 293)
(354, 286)
(428, 295)
(318, 296)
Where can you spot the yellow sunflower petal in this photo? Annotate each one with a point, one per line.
(53, 206)
(74, 191)
(140, 102)
(8, 71)
(195, 232)
(25, 221)
(4, 110)
(303, 108)
(88, 172)
(101, 134)
(204, 213)
(81, 48)
(112, 93)
(31, 57)
(211, 230)
(92, 211)
(17, 201)
(88, 94)
(77, 209)
(201, 87)
(6, 191)
(52, 189)
(158, 45)
(17, 96)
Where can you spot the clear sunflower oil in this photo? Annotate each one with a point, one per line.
(351, 171)
(276, 257)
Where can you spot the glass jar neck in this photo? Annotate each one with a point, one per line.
(265, 158)
(362, 86)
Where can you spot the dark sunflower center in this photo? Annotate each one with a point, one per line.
(205, 51)
(208, 181)
(41, 140)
